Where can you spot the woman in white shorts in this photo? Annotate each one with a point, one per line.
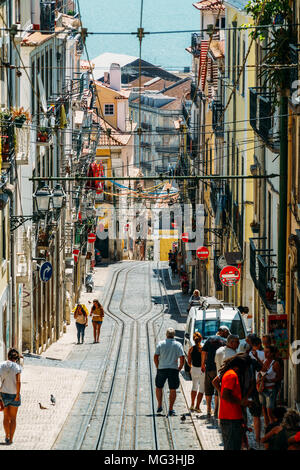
(198, 377)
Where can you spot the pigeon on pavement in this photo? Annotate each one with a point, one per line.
(52, 399)
(42, 407)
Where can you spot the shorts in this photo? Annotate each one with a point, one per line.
(198, 378)
(209, 377)
(8, 399)
(97, 322)
(268, 398)
(255, 408)
(171, 374)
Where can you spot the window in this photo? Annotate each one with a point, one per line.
(210, 326)
(109, 110)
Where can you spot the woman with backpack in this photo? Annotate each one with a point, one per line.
(81, 318)
(198, 377)
(97, 314)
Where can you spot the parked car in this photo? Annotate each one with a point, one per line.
(207, 318)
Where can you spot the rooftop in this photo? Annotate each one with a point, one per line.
(210, 5)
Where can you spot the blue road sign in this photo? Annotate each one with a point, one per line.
(46, 271)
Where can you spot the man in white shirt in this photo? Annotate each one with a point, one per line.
(224, 352)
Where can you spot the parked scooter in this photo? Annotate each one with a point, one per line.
(89, 282)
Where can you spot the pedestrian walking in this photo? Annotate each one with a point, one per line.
(166, 358)
(81, 317)
(198, 377)
(231, 401)
(10, 372)
(208, 364)
(97, 314)
(267, 387)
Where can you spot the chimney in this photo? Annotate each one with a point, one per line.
(115, 77)
(106, 77)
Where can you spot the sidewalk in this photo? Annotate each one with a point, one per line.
(182, 300)
(64, 378)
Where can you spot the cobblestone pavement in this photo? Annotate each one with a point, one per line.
(207, 429)
(72, 373)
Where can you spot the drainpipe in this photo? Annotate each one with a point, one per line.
(283, 196)
(9, 190)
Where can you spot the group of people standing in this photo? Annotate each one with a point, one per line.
(250, 380)
(81, 318)
(241, 383)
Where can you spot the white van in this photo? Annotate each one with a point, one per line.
(208, 317)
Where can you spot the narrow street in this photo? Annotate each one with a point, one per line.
(116, 405)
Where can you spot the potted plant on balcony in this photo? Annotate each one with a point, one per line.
(255, 226)
(20, 116)
(43, 134)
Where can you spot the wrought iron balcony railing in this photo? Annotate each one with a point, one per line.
(262, 272)
(166, 148)
(47, 17)
(7, 140)
(261, 115)
(217, 122)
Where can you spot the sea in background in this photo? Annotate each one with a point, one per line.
(166, 50)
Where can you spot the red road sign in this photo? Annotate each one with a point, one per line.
(230, 276)
(91, 238)
(185, 237)
(202, 252)
(76, 254)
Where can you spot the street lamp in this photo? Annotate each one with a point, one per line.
(58, 197)
(42, 198)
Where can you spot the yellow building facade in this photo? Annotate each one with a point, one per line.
(239, 145)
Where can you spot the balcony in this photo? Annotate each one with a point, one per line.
(237, 224)
(262, 272)
(146, 145)
(165, 130)
(146, 165)
(294, 71)
(217, 122)
(216, 196)
(217, 271)
(7, 142)
(146, 127)
(166, 148)
(47, 17)
(160, 169)
(43, 136)
(195, 43)
(186, 113)
(22, 145)
(261, 112)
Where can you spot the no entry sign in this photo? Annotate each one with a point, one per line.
(91, 238)
(76, 254)
(230, 276)
(185, 237)
(202, 252)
